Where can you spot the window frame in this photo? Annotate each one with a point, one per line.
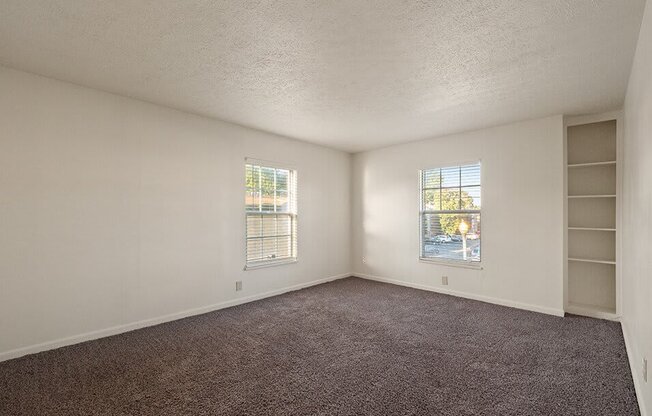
(292, 214)
(468, 264)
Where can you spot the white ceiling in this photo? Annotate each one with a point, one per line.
(352, 75)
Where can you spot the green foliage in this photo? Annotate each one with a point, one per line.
(267, 188)
(449, 200)
(262, 179)
(251, 176)
(450, 189)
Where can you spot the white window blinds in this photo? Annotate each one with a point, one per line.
(449, 217)
(271, 212)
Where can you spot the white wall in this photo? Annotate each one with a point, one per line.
(637, 213)
(522, 214)
(115, 211)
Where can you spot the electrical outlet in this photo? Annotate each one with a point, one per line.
(364, 260)
(444, 280)
(645, 369)
(238, 285)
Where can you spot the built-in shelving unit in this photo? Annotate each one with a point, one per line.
(591, 218)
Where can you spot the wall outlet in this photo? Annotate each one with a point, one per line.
(364, 260)
(645, 369)
(444, 280)
(238, 285)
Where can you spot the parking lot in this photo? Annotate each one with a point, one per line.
(452, 250)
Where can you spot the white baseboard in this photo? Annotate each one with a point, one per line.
(119, 329)
(634, 369)
(487, 299)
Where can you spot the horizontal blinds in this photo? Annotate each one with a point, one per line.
(269, 237)
(449, 218)
(270, 204)
(451, 189)
(269, 189)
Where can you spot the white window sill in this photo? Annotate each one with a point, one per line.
(452, 263)
(271, 263)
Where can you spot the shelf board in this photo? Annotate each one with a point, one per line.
(591, 196)
(590, 229)
(593, 311)
(584, 165)
(592, 260)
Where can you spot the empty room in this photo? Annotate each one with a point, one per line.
(307, 207)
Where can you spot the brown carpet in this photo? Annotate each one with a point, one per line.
(350, 347)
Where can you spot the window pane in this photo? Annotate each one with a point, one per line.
(282, 202)
(267, 188)
(251, 200)
(284, 247)
(284, 225)
(431, 199)
(429, 227)
(269, 248)
(471, 197)
(269, 225)
(431, 178)
(452, 235)
(282, 177)
(450, 176)
(252, 177)
(267, 178)
(270, 236)
(442, 239)
(471, 175)
(254, 226)
(254, 249)
(267, 202)
(450, 199)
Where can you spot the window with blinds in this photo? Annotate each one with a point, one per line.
(449, 217)
(271, 211)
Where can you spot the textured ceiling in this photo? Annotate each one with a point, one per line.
(353, 75)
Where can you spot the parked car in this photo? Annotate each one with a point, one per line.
(472, 236)
(443, 238)
(456, 238)
(475, 252)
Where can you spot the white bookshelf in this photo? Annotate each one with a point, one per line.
(591, 281)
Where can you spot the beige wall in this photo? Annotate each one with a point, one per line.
(114, 211)
(522, 214)
(637, 213)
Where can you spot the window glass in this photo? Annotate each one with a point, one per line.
(451, 201)
(270, 208)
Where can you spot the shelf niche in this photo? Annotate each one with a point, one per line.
(591, 143)
(592, 245)
(592, 212)
(591, 237)
(592, 285)
(592, 180)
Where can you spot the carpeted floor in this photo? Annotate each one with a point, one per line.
(350, 347)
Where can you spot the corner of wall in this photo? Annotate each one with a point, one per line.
(637, 171)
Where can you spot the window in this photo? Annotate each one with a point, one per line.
(271, 211)
(449, 217)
